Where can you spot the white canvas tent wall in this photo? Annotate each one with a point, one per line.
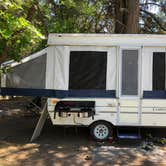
(110, 43)
(54, 73)
(28, 73)
(49, 76)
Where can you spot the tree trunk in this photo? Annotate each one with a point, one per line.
(126, 16)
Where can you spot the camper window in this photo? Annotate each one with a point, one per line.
(159, 71)
(87, 70)
(129, 72)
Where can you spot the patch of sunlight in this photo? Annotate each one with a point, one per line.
(60, 155)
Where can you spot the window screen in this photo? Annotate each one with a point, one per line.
(28, 75)
(159, 71)
(87, 70)
(129, 72)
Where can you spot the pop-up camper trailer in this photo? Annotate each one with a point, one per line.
(96, 80)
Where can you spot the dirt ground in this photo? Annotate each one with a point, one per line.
(59, 146)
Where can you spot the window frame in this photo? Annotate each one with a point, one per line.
(139, 73)
(89, 48)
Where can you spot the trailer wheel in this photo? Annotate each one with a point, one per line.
(101, 130)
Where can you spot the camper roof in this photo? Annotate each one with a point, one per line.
(107, 39)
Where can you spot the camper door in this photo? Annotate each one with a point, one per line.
(129, 86)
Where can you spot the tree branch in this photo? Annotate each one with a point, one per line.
(150, 3)
(157, 20)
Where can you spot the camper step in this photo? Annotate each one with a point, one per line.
(129, 136)
(128, 133)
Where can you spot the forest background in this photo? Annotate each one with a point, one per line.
(25, 24)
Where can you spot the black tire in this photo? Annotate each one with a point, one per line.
(101, 130)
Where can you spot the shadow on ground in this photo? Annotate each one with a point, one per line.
(59, 146)
(55, 146)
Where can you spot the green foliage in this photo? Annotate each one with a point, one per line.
(4, 69)
(18, 36)
(78, 16)
(25, 24)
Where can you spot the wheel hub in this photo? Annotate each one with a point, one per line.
(101, 131)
